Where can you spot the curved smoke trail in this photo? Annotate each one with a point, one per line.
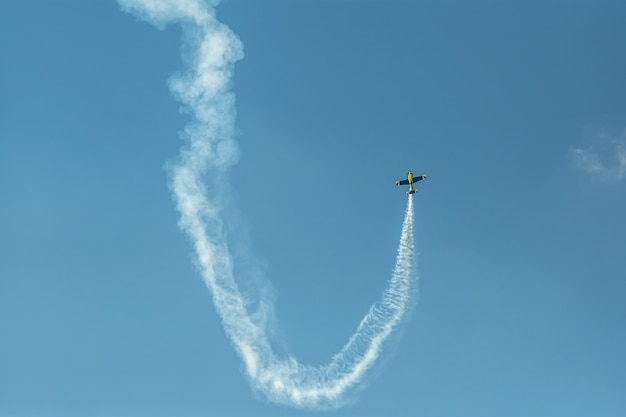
(205, 92)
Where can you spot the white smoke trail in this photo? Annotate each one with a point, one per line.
(210, 149)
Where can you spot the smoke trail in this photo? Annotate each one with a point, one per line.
(204, 90)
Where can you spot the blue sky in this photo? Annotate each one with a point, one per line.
(516, 110)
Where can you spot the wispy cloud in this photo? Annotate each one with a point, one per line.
(606, 160)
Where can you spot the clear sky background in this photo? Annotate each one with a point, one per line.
(516, 110)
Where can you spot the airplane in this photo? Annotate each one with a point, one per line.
(410, 180)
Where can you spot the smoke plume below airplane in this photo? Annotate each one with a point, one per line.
(204, 89)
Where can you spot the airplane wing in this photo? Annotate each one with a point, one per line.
(403, 182)
(419, 178)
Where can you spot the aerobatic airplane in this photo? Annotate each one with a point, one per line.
(410, 180)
